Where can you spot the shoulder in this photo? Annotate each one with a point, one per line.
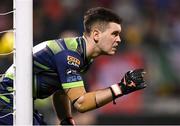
(71, 43)
(52, 45)
(39, 47)
(58, 45)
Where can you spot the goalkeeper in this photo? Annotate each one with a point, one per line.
(58, 65)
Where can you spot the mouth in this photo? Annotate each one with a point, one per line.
(114, 49)
(115, 46)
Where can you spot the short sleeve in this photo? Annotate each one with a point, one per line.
(68, 64)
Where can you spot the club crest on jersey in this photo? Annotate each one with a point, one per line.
(73, 61)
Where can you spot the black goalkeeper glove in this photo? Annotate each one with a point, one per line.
(132, 81)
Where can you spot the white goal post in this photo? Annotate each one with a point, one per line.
(23, 62)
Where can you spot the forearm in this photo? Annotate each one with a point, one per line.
(103, 97)
(82, 101)
(93, 100)
(62, 105)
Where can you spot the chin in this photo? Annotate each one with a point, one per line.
(111, 53)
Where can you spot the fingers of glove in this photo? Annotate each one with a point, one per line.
(141, 86)
(138, 80)
(137, 75)
(138, 70)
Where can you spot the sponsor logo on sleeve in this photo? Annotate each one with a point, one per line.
(74, 78)
(71, 71)
(73, 61)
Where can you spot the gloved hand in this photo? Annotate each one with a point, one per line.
(132, 81)
(68, 121)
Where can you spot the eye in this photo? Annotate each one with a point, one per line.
(116, 33)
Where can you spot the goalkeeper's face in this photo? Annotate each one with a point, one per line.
(109, 39)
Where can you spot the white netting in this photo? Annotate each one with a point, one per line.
(4, 54)
(8, 53)
(6, 13)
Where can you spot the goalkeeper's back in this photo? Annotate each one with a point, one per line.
(47, 74)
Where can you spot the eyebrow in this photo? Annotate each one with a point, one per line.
(115, 33)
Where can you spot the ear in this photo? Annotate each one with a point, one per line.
(96, 35)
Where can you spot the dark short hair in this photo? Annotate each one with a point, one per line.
(99, 15)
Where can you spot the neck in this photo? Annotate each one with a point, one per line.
(91, 50)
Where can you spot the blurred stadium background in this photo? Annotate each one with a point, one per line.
(151, 39)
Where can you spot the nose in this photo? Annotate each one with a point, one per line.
(118, 39)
